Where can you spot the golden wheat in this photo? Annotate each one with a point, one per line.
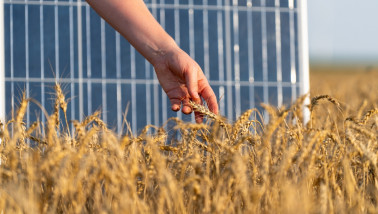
(218, 167)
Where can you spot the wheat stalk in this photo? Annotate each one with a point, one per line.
(205, 111)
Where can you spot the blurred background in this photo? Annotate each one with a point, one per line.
(343, 50)
(343, 32)
(343, 35)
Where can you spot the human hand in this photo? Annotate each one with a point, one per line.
(179, 75)
(182, 80)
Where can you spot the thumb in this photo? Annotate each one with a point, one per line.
(192, 84)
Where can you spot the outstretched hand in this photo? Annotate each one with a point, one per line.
(182, 80)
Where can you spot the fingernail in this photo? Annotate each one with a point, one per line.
(175, 108)
(186, 110)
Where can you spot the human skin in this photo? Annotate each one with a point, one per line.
(179, 75)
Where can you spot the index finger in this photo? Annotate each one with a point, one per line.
(209, 96)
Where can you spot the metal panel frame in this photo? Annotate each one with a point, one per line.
(304, 55)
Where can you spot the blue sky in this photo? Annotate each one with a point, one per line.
(343, 30)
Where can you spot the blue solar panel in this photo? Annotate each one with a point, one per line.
(249, 50)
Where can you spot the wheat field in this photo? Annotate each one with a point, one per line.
(328, 165)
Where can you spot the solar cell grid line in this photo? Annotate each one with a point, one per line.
(177, 36)
(291, 4)
(89, 60)
(156, 101)
(26, 8)
(140, 81)
(264, 58)
(155, 86)
(236, 59)
(191, 29)
(250, 56)
(228, 61)
(11, 59)
(119, 88)
(80, 57)
(222, 106)
(133, 91)
(72, 76)
(192, 50)
(103, 71)
(206, 67)
(148, 92)
(214, 7)
(163, 95)
(152, 5)
(56, 33)
(206, 40)
(293, 75)
(278, 53)
(2, 64)
(42, 56)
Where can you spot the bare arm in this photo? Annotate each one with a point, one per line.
(179, 75)
(132, 20)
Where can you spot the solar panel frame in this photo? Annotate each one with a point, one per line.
(304, 66)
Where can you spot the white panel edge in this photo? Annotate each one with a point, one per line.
(304, 55)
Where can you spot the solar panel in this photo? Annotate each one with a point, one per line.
(252, 51)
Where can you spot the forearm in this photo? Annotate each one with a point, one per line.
(132, 20)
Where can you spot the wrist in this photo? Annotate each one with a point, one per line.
(161, 53)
